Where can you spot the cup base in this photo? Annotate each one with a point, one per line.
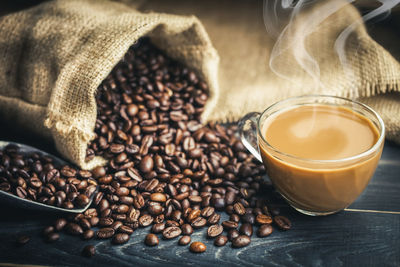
(314, 213)
(310, 213)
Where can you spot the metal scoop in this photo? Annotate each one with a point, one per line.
(14, 200)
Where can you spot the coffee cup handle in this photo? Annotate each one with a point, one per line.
(248, 133)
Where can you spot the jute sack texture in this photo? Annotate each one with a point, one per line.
(55, 55)
(369, 74)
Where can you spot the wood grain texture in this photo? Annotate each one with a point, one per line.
(343, 239)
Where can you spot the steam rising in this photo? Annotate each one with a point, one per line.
(281, 21)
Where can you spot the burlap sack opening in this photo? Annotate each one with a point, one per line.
(54, 56)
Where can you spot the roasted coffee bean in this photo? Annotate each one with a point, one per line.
(207, 212)
(120, 238)
(246, 229)
(157, 228)
(23, 239)
(82, 200)
(214, 218)
(184, 240)
(187, 229)
(146, 164)
(214, 230)
(264, 230)
(239, 208)
(234, 218)
(21, 192)
(84, 223)
(125, 229)
(194, 214)
(155, 210)
(241, 241)
(74, 229)
(263, 219)
(220, 241)
(89, 251)
(218, 203)
(117, 148)
(232, 234)
(98, 172)
(171, 232)
(104, 233)
(151, 240)
(106, 221)
(229, 225)
(198, 247)
(159, 197)
(88, 234)
(145, 220)
(198, 222)
(282, 222)
(248, 218)
(47, 230)
(52, 237)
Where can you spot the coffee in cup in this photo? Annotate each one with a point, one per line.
(319, 151)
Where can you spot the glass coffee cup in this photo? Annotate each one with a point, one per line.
(316, 186)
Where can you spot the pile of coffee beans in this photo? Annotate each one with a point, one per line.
(36, 177)
(165, 170)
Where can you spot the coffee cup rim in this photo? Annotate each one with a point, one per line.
(352, 158)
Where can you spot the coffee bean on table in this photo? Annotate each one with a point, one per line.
(60, 224)
(89, 251)
(47, 230)
(198, 247)
(214, 218)
(184, 240)
(145, 220)
(239, 208)
(120, 238)
(232, 234)
(171, 232)
(248, 218)
(125, 229)
(264, 230)
(187, 229)
(229, 225)
(88, 234)
(263, 219)
(198, 222)
(214, 230)
(157, 228)
(282, 222)
(23, 239)
(221, 240)
(52, 237)
(234, 218)
(151, 240)
(241, 241)
(104, 233)
(246, 229)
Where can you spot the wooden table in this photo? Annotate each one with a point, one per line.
(366, 234)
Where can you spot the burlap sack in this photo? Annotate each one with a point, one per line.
(54, 56)
(247, 83)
